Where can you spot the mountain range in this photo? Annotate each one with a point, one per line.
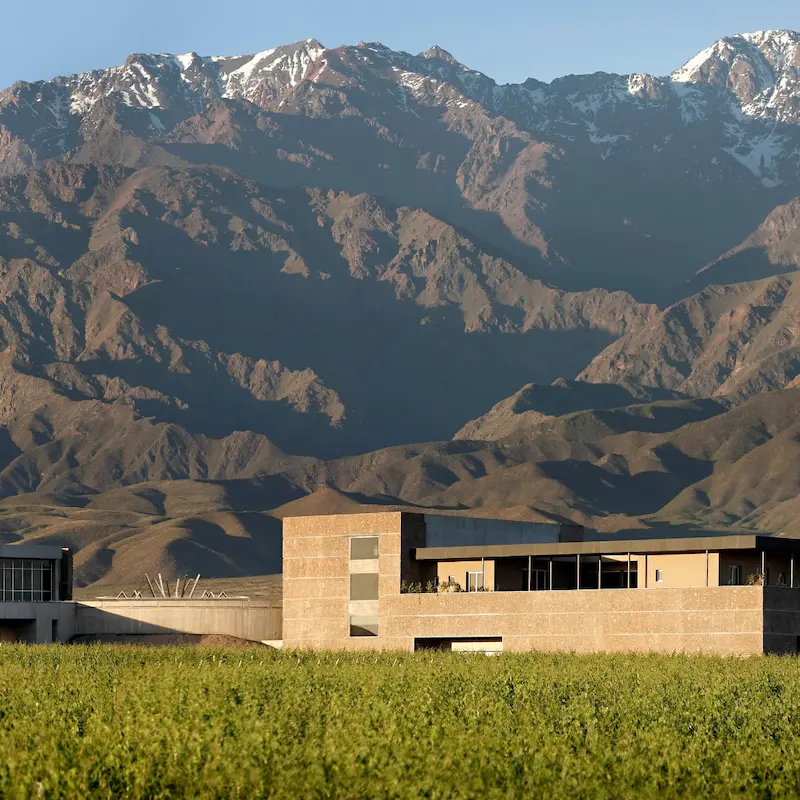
(308, 278)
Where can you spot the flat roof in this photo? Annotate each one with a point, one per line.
(698, 544)
(51, 552)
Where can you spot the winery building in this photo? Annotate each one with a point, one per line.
(410, 581)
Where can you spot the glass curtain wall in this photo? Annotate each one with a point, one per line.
(26, 580)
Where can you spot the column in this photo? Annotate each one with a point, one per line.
(629, 570)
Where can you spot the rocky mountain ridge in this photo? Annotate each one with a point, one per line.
(233, 288)
(517, 165)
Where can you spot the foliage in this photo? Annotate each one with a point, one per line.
(416, 587)
(129, 722)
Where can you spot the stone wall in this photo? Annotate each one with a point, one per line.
(316, 576)
(713, 620)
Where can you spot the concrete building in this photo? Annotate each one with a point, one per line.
(408, 581)
(35, 582)
(36, 606)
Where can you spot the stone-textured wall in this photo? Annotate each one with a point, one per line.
(316, 577)
(714, 620)
(717, 619)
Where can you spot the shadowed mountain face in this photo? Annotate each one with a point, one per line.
(253, 281)
(331, 323)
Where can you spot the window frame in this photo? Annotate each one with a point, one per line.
(479, 585)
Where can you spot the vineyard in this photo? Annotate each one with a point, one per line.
(117, 721)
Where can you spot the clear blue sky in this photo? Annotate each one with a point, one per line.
(509, 40)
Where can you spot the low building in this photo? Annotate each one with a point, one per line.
(36, 606)
(35, 582)
(410, 581)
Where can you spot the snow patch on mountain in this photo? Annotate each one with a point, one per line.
(745, 90)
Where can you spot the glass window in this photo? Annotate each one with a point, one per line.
(364, 586)
(659, 576)
(735, 575)
(364, 626)
(363, 547)
(26, 580)
(474, 581)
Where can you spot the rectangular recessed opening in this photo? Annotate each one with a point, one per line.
(363, 625)
(460, 644)
(364, 586)
(363, 548)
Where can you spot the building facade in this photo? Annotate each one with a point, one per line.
(35, 580)
(407, 581)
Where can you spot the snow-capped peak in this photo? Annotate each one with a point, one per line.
(694, 65)
(243, 76)
(438, 53)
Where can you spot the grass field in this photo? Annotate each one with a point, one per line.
(115, 721)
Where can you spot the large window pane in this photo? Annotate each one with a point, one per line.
(363, 547)
(364, 586)
(26, 580)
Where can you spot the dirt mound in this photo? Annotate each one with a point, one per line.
(162, 639)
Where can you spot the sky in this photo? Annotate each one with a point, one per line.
(510, 40)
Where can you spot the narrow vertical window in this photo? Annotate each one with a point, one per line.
(474, 581)
(364, 586)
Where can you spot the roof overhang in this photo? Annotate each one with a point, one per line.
(612, 547)
(47, 552)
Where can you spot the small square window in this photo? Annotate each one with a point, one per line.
(659, 576)
(363, 547)
(364, 586)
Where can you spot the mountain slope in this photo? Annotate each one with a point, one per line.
(315, 318)
(237, 287)
(519, 166)
(734, 340)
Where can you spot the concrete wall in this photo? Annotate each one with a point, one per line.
(33, 622)
(681, 570)
(459, 569)
(257, 621)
